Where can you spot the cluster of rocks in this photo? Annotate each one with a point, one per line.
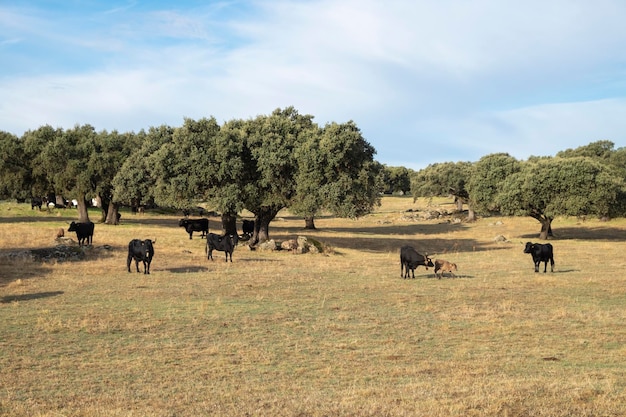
(301, 244)
(419, 215)
(58, 253)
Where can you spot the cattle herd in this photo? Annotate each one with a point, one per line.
(410, 259)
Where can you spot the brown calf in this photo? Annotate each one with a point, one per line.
(442, 266)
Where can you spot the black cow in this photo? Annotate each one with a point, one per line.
(140, 250)
(195, 225)
(225, 243)
(541, 253)
(36, 202)
(84, 232)
(247, 228)
(410, 259)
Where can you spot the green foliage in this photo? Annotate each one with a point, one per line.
(134, 182)
(272, 141)
(227, 174)
(396, 179)
(35, 141)
(601, 149)
(572, 186)
(437, 180)
(337, 172)
(179, 166)
(67, 161)
(487, 177)
(14, 167)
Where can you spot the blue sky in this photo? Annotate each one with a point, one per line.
(426, 81)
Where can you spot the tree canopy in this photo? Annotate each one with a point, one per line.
(285, 160)
(546, 188)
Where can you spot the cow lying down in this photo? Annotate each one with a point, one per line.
(442, 266)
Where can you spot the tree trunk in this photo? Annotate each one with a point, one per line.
(459, 204)
(105, 206)
(83, 214)
(262, 219)
(112, 216)
(229, 223)
(309, 222)
(471, 214)
(546, 228)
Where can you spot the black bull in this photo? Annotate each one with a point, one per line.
(410, 259)
(84, 232)
(225, 244)
(541, 253)
(195, 225)
(140, 251)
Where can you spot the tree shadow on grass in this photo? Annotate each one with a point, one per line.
(186, 269)
(610, 234)
(28, 297)
(425, 246)
(14, 270)
(389, 230)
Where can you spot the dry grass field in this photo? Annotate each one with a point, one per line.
(334, 334)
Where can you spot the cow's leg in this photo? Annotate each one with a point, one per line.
(137, 264)
(128, 261)
(551, 264)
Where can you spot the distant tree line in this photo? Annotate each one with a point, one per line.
(285, 160)
(586, 181)
(264, 164)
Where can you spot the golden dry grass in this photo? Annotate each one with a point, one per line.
(278, 334)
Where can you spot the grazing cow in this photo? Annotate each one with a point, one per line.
(195, 225)
(444, 266)
(225, 244)
(541, 253)
(410, 259)
(140, 251)
(84, 232)
(247, 228)
(36, 202)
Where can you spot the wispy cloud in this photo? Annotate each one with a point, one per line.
(471, 78)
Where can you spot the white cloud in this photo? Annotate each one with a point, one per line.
(471, 77)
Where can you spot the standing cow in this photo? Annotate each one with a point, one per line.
(225, 244)
(140, 251)
(410, 259)
(541, 253)
(195, 225)
(247, 229)
(84, 232)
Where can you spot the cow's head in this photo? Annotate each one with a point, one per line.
(529, 247)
